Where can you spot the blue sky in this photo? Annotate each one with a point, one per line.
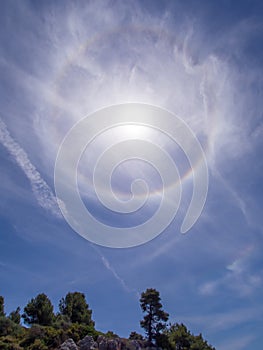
(61, 61)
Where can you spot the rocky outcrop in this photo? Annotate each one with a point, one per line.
(68, 345)
(104, 343)
(135, 344)
(88, 343)
(109, 344)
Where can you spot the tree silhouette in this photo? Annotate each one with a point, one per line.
(155, 318)
(2, 302)
(75, 307)
(15, 316)
(39, 311)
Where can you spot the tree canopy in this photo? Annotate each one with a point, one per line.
(135, 336)
(15, 316)
(75, 307)
(178, 337)
(39, 310)
(155, 318)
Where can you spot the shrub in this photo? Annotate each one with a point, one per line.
(79, 331)
(8, 327)
(38, 345)
(9, 343)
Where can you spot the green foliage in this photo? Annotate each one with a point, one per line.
(15, 316)
(155, 318)
(162, 341)
(2, 308)
(75, 307)
(8, 327)
(54, 337)
(48, 337)
(135, 336)
(38, 345)
(198, 343)
(178, 337)
(61, 322)
(33, 333)
(79, 331)
(39, 311)
(48, 332)
(9, 343)
(111, 335)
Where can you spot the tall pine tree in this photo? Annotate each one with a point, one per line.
(155, 318)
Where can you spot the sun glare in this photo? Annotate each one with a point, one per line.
(132, 131)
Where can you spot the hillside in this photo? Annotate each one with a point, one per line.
(72, 328)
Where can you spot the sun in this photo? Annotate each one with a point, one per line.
(131, 131)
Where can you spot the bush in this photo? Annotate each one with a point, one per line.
(33, 333)
(9, 343)
(111, 335)
(62, 322)
(8, 327)
(79, 331)
(38, 345)
(54, 337)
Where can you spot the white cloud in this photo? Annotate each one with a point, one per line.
(237, 278)
(100, 55)
(41, 190)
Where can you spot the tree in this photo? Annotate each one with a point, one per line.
(75, 307)
(135, 336)
(15, 316)
(39, 311)
(155, 318)
(2, 309)
(198, 343)
(111, 335)
(180, 338)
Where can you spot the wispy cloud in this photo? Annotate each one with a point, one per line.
(41, 190)
(87, 57)
(220, 321)
(237, 278)
(115, 274)
(239, 343)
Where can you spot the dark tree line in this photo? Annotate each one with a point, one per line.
(73, 308)
(48, 330)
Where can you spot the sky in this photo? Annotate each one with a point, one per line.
(62, 62)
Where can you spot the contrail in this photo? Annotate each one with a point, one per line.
(109, 267)
(41, 190)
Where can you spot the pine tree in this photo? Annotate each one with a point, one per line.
(39, 311)
(155, 318)
(75, 307)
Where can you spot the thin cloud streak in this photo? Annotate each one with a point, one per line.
(40, 188)
(110, 268)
